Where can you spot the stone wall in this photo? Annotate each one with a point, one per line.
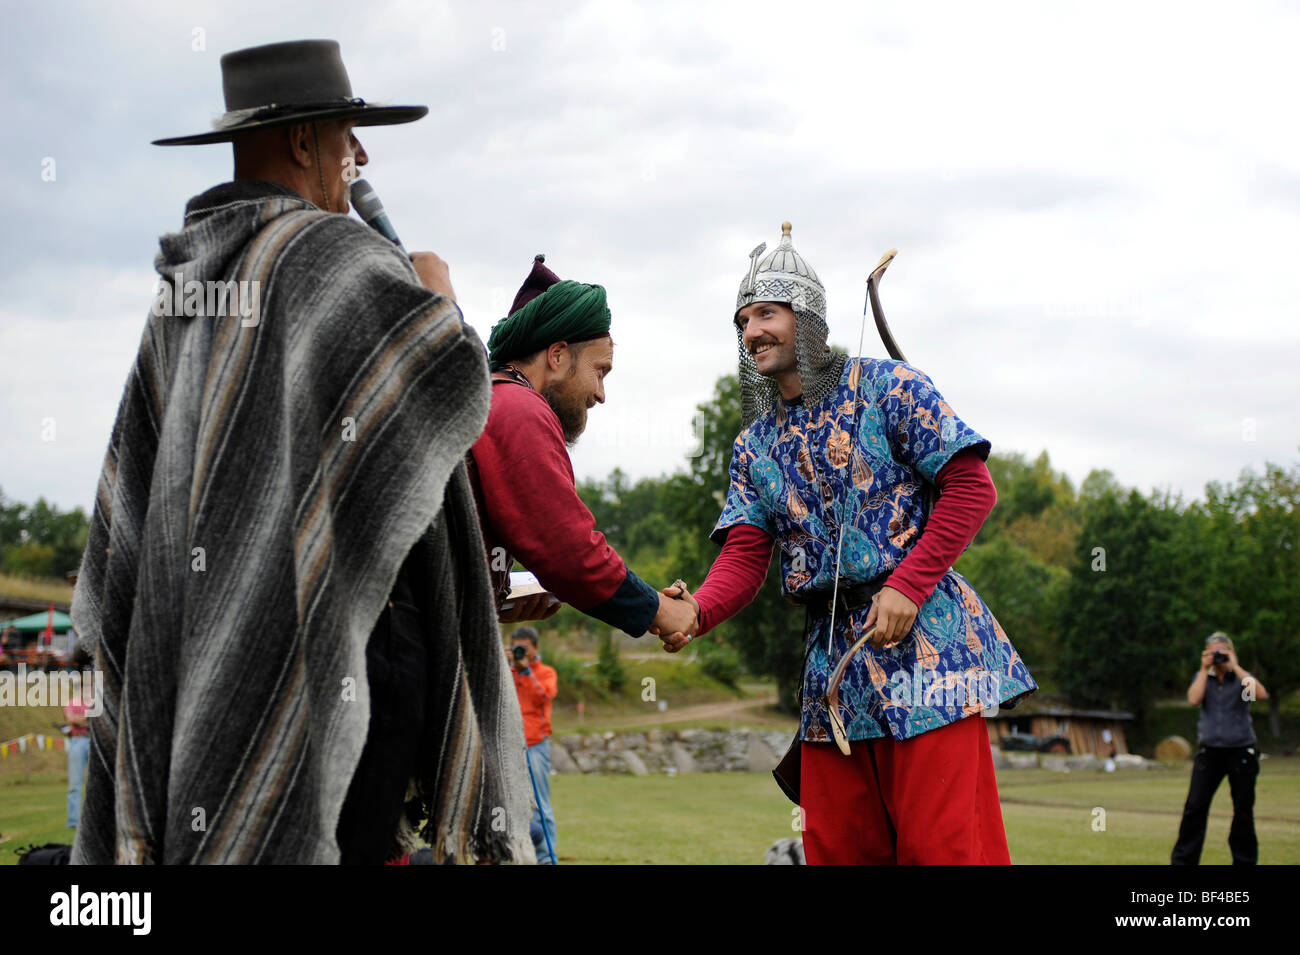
(1088, 762)
(669, 752)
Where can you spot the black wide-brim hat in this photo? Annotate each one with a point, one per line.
(279, 84)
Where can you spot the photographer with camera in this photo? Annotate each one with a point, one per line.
(1225, 747)
(536, 685)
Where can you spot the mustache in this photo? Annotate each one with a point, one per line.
(759, 343)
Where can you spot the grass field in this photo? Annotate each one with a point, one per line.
(54, 589)
(732, 818)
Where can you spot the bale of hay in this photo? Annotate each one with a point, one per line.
(1173, 749)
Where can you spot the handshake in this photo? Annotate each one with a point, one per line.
(678, 619)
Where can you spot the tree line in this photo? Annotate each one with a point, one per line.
(1108, 593)
(39, 540)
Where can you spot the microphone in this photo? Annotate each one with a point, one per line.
(366, 201)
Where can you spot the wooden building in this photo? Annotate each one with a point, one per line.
(1085, 729)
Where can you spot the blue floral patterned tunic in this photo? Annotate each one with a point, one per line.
(795, 471)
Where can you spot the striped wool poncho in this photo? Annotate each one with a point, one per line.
(268, 473)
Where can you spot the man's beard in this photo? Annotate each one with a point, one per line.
(570, 408)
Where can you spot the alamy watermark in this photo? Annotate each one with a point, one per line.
(131, 909)
(38, 687)
(211, 299)
(976, 688)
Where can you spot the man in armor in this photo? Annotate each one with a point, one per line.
(871, 487)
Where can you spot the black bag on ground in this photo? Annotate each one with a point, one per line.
(52, 853)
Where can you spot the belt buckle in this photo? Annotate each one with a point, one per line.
(845, 605)
(840, 603)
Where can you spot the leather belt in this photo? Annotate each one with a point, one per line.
(851, 597)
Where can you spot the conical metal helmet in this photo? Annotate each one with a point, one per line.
(783, 276)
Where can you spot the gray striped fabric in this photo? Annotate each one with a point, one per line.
(262, 486)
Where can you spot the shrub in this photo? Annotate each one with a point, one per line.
(608, 668)
(721, 663)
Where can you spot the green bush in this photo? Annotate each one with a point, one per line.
(31, 558)
(723, 664)
(576, 681)
(608, 668)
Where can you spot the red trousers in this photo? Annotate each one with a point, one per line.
(928, 800)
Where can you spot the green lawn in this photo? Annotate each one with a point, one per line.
(732, 818)
(32, 812)
(1049, 816)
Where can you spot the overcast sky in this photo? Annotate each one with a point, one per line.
(1095, 204)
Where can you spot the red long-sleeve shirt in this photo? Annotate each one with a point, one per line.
(966, 497)
(530, 510)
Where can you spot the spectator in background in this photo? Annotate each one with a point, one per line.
(1225, 747)
(536, 685)
(78, 747)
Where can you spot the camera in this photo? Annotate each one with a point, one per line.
(1220, 657)
(519, 652)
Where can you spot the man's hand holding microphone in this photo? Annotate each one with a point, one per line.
(432, 270)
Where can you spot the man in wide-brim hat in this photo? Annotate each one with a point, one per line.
(284, 580)
(296, 95)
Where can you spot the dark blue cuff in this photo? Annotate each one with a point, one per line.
(632, 608)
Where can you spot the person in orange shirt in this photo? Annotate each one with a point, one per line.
(536, 685)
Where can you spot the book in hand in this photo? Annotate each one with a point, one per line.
(524, 584)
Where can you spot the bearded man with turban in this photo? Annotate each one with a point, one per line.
(868, 445)
(549, 360)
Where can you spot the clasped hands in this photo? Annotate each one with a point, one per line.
(678, 619)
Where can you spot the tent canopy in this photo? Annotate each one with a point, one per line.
(38, 621)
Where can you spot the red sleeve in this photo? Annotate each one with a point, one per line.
(532, 504)
(736, 576)
(966, 496)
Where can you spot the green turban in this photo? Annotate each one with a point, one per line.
(566, 312)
